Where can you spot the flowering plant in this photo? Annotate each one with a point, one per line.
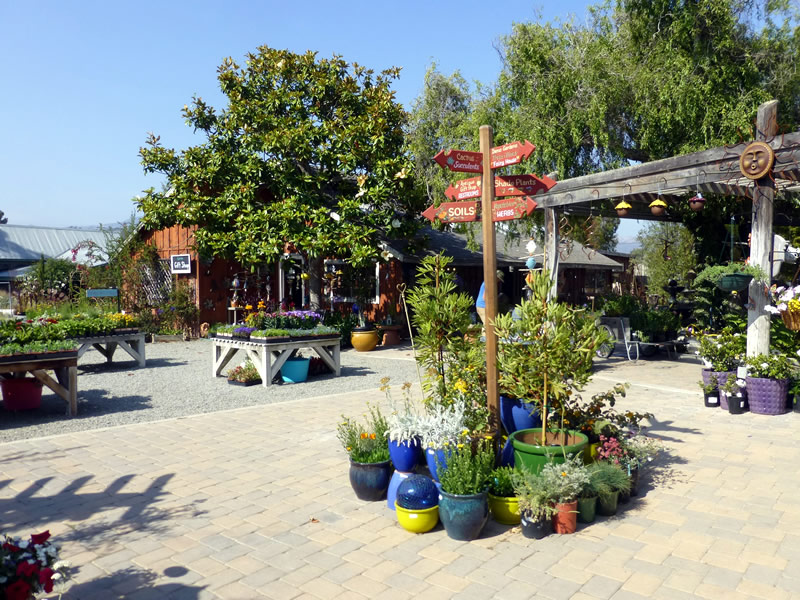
(612, 450)
(443, 426)
(365, 443)
(404, 420)
(733, 386)
(785, 299)
(466, 473)
(724, 351)
(769, 366)
(565, 481)
(244, 373)
(30, 566)
(641, 448)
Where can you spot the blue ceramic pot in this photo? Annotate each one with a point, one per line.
(516, 414)
(394, 483)
(295, 370)
(405, 454)
(435, 457)
(463, 517)
(370, 481)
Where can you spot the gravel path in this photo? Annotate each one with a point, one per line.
(177, 382)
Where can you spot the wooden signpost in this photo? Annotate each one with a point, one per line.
(516, 191)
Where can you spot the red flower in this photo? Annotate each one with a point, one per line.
(46, 579)
(19, 590)
(11, 547)
(27, 569)
(40, 538)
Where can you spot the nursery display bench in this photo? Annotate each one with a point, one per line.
(269, 357)
(132, 343)
(65, 368)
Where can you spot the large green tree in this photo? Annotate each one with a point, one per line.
(308, 151)
(667, 251)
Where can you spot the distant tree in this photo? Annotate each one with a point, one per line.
(308, 151)
(667, 252)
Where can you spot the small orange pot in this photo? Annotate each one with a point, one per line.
(566, 519)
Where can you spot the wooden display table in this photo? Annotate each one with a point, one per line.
(268, 358)
(132, 343)
(66, 370)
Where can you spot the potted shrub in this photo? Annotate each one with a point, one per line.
(370, 467)
(640, 449)
(564, 482)
(245, 374)
(503, 502)
(464, 479)
(587, 499)
(723, 353)
(768, 383)
(535, 508)
(545, 356)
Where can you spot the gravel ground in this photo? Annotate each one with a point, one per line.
(177, 382)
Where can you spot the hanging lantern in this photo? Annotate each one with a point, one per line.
(658, 207)
(623, 208)
(697, 203)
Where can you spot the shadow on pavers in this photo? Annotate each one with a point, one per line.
(134, 583)
(30, 508)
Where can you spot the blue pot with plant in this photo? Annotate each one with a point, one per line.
(370, 467)
(464, 505)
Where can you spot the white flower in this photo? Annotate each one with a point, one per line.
(786, 296)
(22, 544)
(772, 310)
(736, 334)
(782, 307)
(697, 352)
(360, 193)
(764, 366)
(740, 383)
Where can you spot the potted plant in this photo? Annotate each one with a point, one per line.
(269, 336)
(503, 502)
(442, 428)
(710, 387)
(735, 394)
(587, 499)
(640, 449)
(794, 394)
(732, 277)
(786, 303)
(370, 467)
(30, 567)
(610, 480)
(723, 353)
(245, 374)
(564, 482)
(464, 479)
(295, 368)
(403, 422)
(767, 383)
(545, 356)
(535, 508)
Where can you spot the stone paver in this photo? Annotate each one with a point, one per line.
(255, 503)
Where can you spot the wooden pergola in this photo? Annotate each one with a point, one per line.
(715, 171)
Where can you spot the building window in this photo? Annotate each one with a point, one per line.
(345, 283)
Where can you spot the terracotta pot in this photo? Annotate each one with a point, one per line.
(566, 519)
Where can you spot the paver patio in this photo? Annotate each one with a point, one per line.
(256, 503)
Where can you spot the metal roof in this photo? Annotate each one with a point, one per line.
(25, 244)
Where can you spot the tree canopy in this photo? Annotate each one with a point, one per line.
(667, 251)
(309, 151)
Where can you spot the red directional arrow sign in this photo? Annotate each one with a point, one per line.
(460, 160)
(511, 154)
(453, 212)
(506, 185)
(512, 208)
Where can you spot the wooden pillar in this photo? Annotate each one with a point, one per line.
(761, 239)
(551, 248)
(489, 276)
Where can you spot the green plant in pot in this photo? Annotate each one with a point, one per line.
(370, 467)
(545, 356)
(464, 479)
(768, 377)
(503, 502)
(609, 479)
(732, 277)
(564, 483)
(535, 507)
(722, 353)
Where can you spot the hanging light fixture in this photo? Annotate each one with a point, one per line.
(697, 203)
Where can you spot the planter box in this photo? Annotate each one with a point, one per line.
(270, 340)
(33, 356)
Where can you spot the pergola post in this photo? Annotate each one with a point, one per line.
(551, 248)
(758, 320)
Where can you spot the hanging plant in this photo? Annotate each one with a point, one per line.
(623, 208)
(658, 207)
(696, 203)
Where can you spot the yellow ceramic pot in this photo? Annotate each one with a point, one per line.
(504, 510)
(417, 521)
(364, 341)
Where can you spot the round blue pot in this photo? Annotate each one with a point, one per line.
(463, 517)
(516, 414)
(370, 481)
(405, 454)
(295, 370)
(394, 483)
(435, 457)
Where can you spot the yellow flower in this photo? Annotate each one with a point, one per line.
(460, 386)
(563, 473)
(363, 436)
(349, 448)
(460, 445)
(372, 436)
(248, 307)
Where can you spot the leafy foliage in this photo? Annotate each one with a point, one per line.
(307, 150)
(667, 251)
(466, 472)
(365, 443)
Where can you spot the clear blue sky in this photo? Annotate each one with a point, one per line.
(83, 82)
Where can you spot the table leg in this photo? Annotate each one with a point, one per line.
(73, 391)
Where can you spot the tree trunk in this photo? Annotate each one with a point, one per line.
(315, 268)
